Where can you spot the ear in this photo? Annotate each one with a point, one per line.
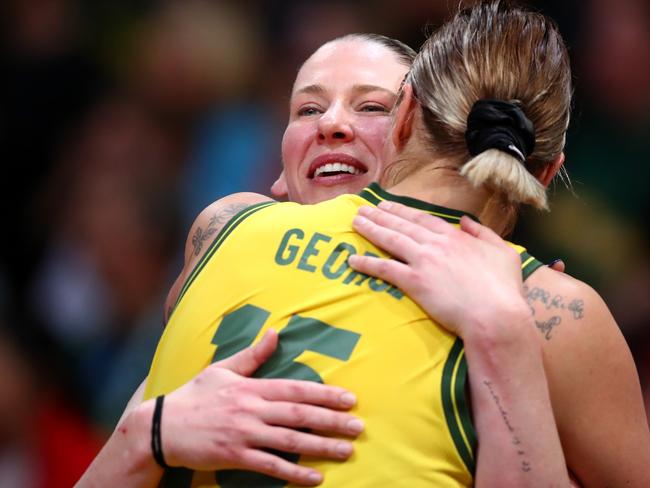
(546, 175)
(404, 117)
(279, 189)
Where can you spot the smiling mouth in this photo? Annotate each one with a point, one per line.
(336, 169)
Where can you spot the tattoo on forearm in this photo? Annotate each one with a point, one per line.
(546, 326)
(216, 221)
(525, 465)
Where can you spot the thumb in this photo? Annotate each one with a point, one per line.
(247, 361)
(479, 231)
(557, 265)
(279, 189)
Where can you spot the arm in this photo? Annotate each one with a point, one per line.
(593, 383)
(204, 230)
(472, 284)
(222, 419)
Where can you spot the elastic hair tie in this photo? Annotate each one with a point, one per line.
(156, 441)
(496, 124)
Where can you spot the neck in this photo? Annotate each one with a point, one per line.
(443, 185)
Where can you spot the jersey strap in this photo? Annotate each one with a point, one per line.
(529, 264)
(456, 407)
(375, 194)
(225, 231)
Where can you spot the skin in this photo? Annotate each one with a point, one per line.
(336, 119)
(513, 366)
(592, 380)
(221, 395)
(340, 107)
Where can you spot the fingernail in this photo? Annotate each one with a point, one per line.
(348, 399)
(359, 220)
(365, 209)
(314, 477)
(555, 261)
(355, 426)
(344, 449)
(385, 204)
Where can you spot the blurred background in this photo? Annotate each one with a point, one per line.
(121, 120)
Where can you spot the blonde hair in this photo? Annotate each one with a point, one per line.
(495, 50)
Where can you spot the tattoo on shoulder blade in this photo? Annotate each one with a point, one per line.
(222, 216)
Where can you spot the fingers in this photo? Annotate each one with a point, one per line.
(305, 392)
(394, 242)
(289, 440)
(388, 270)
(480, 231)
(265, 463)
(245, 362)
(312, 417)
(557, 265)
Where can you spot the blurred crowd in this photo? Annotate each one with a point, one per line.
(121, 120)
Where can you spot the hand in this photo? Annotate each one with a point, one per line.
(222, 420)
(557, 265)
(463, 278)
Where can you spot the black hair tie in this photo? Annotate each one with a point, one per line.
(156, 440)
(495, 124)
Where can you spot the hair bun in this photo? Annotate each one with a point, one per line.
(496, 124)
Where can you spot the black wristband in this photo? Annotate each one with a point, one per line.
(156, 442)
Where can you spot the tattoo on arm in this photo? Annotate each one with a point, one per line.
(557, 303)
(216, 222)
(546, 326)
(525, 464)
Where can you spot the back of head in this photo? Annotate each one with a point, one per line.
(492, 53)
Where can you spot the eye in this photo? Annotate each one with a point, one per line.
(308, 111)
(373, 107)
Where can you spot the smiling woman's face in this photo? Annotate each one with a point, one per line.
(339, 119)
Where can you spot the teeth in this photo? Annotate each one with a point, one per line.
(336, 168)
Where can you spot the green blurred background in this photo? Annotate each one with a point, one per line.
(121, 120)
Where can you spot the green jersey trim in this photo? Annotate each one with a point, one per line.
(455, 406)
(225, 231)
(529, 265)
(375, 194)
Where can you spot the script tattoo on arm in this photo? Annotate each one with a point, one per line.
(525, 464)
(215, 223)
(546, 326)
(556, 303)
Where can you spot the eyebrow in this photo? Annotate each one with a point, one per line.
(319, 90)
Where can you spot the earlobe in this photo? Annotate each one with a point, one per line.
(279, 189)
(546, 175)
(404, 117)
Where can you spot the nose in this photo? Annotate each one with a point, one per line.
(335, 126)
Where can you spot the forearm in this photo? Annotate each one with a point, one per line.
(518, 440)
(126, 460)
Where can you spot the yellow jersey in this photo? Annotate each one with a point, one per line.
(284, 265)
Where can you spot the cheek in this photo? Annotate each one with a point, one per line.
(374, 133)
(295, 143)
(294, 146)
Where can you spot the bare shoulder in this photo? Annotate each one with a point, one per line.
(213, 218)
(573, 321)
(565, 306)
(592, 380)
(204, 230)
